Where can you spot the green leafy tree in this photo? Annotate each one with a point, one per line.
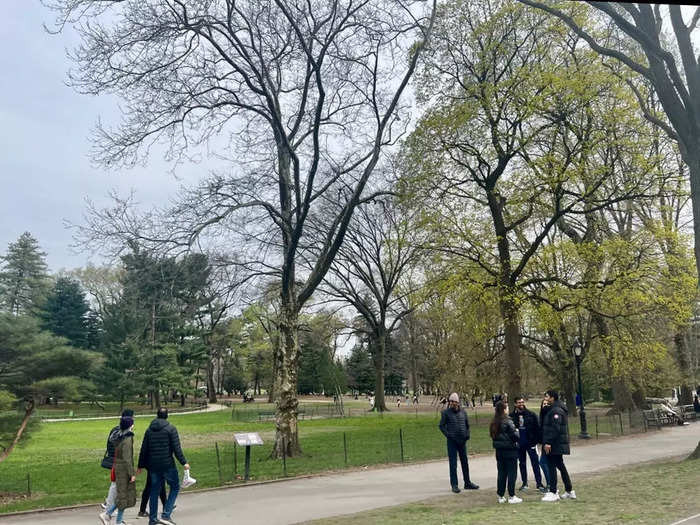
(359, 370)
(23, 276)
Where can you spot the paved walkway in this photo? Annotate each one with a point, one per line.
(211, 407)
(300, 500)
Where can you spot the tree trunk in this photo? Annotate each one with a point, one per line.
(156, 398)
(379, 364)
(27, 414)
(570, 386)
(696, 453)
(512, 346)
(211, 387)
(287, 433)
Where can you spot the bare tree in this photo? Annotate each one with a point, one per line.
(379, 249)
(299, 96)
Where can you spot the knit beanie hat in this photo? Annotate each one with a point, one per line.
(454, 397)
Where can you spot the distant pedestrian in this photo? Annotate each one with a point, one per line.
(160, 443)
(555, 442)
(398, 402)
(371, 402)
(107, 460)
(415, 399)
(696, 404)
(454, 424)
(529, 431)
(124, 474)
(504, 436)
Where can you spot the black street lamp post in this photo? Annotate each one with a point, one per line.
(578, 355)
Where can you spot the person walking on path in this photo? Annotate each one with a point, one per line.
(454, 424)
(107, 460)
(124, 475)
(555, 443)
(529, 432)
(160, 442)
(505, 438)
(146, 496)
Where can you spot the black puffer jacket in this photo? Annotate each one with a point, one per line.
(506, 441)
(455, 425)
(112, 440)
(555, 429)
(160, 442)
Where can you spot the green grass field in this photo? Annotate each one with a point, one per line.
(62, 459)
(653, 494)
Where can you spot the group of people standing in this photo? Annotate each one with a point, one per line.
(160, 445)
(515, 438)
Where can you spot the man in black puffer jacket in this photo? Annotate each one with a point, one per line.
(160, 442)
(454, 424)
(529, 430)
(555, 443)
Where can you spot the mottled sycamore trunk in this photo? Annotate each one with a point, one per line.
(285, 387)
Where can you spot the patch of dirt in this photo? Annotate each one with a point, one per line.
(11, 497)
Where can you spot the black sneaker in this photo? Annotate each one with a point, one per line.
(144, 515)
(542, 489)
(470, 486)
(455, 489)
(523, 486)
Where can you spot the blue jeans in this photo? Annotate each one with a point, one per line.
(120, 513)
(545, 467)
(523, 452)
(454, 449)
(157, 479)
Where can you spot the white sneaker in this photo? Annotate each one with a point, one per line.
(105, 518)
(568, 495)
(514, 499)
(550, 496)
(501, 499)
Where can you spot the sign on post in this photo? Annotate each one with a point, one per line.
(248, 439)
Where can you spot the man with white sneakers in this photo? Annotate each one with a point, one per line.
(555, 443)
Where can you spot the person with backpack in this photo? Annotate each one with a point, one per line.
(555, 444)
(505, 439)
(108, 459)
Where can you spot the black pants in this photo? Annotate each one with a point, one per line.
(507, 464)
(556, 461)
(523, 452)
(146, 494)
(454, 449)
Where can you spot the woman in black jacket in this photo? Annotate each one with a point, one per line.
(505, 441)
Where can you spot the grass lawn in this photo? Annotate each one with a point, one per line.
(63, 458)
(658, 493)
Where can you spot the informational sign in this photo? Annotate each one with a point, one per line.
(248, 438)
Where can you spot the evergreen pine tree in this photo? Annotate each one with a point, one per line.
(65, 312)
(23, 276)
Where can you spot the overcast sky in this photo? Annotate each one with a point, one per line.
(45, 126)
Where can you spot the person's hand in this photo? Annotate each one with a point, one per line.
(186, 466)
(547, 449)
(133, 479)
